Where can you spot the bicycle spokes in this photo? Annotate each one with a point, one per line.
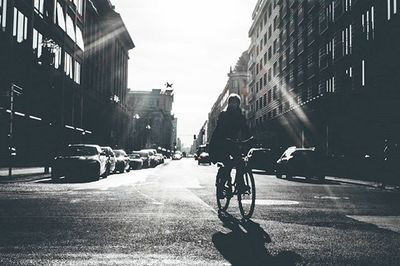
(247, 197)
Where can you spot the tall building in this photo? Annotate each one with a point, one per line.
(155, 125)
(59, 61)
(325, 73)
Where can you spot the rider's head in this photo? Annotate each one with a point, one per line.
(233, 102)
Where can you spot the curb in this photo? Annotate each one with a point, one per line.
(360, 182)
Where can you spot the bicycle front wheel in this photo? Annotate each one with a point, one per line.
(247, 199)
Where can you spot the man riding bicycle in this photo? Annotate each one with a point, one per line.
(231, 125)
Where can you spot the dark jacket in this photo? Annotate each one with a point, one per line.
(231, 125)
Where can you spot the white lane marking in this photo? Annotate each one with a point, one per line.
(391, 223)
(272, 202)
(331, 197)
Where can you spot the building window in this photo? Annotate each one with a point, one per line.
(77, 76)
(275, 69)
(20, 29)
(349, 72)
(330, 85)
(330, 12)
(347, 41)
(3, 14)
(38, 6)
(274, 93)
(363, 73)
(265, 79)
(368, 23)
(269, 74)
(79, 38)
(265, 100)
(346, 5)
(59, 17)
(57, 56)
(79, 6)
(71, 28)
(269, 53)
(391, 8)
(269, 96)
(37, 43)
(68, 66)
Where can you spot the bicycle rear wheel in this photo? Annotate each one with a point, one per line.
(224, 195)
(247, 199)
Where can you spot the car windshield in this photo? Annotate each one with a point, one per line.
(134, 156)
(143, 154)
(80, 151)
(119, 153)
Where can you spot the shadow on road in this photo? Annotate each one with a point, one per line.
(245, 244)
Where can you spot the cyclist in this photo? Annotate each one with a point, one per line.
(231, 124)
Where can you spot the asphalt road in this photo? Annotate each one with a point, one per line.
(167, 216)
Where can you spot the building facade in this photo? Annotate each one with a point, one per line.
(155, 125)
(51, 91)
(324, 74)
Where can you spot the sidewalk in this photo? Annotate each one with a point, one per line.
(29, 173)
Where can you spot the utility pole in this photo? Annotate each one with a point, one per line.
(12, 150)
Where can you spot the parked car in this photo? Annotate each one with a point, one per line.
(80, 161)
(135, 162)
(122, 161)
(177, 156)
(152, 158)
(111, 160)
(204, 157)
(200, 149)
(160, 158)
(301, 162)
(145, 156)
(261, 159)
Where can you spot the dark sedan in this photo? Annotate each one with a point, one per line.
(122, 161)
(204, 157)
(80, 160)
(135, 162)
(301, 162)
(261, 159)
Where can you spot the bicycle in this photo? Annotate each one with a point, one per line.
(226, 189)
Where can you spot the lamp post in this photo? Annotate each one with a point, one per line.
(136, 117)
(148, 128)
(18, 91)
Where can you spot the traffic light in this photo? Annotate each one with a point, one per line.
(194, 136)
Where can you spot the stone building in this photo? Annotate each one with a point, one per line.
(155, 125)
(58, 61)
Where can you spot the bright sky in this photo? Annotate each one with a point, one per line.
(190, 43)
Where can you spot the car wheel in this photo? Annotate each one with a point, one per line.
(278, 175)
(198, 162)
(128, 169)
(289, 176)
(106, 172)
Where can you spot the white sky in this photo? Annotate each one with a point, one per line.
(190, 43)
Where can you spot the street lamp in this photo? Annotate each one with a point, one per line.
(148, 128)
(136, 117)
(18, 91)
